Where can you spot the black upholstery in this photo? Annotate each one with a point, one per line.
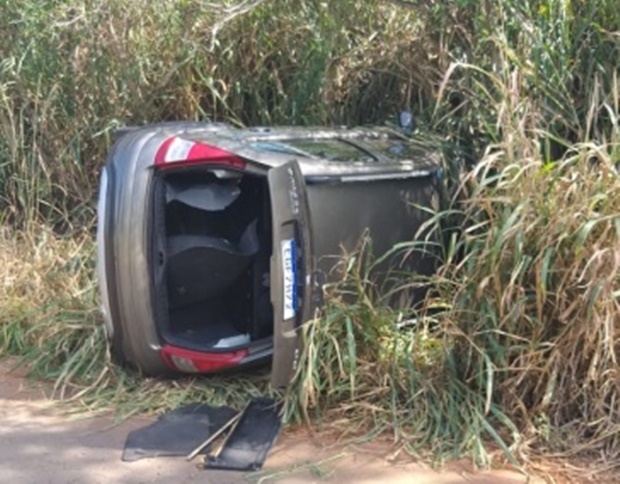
(201, 267)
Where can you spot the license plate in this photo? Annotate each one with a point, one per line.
(289, 270)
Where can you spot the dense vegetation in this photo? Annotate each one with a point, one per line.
(525, 97)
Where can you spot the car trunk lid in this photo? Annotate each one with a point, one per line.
(292, 271)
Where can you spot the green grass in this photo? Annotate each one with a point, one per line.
(520, 349)
(515, 345)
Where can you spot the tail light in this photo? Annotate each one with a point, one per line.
(197, 362)
(177, 151)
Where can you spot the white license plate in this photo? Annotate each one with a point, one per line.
(289, 271)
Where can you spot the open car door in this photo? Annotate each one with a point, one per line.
(292, 269)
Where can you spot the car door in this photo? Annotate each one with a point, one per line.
(294, 293)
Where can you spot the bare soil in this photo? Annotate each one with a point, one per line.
(40, 443)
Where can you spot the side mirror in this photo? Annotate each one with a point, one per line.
(407, 122)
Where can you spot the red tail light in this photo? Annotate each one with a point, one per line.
(197, 362)
(177, 151)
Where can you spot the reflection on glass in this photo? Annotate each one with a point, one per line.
(334, 150)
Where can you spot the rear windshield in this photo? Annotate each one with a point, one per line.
(334, 150)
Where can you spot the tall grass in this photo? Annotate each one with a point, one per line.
(521, 346)
(73, 71)
(517, 344)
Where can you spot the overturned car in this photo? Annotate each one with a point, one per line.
(214, 243)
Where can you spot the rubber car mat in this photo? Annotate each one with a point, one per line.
(246, 447)
(176, 433)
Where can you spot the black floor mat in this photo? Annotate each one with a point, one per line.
(247, 445)
(177, 432)
(201, 325)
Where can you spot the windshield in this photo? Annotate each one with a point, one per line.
(334, 150)
(396, 149)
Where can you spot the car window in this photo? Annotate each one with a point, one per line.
(334, 150)
(396, 149)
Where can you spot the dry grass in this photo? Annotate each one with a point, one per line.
(535, 300)
(50, 317)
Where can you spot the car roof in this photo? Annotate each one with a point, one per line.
(226, 131)
(270, 145)
(267, 147)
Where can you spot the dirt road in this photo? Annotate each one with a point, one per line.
(40, 444)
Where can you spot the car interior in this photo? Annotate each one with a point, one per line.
(210, 258)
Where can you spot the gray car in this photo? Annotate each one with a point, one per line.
(214, 243)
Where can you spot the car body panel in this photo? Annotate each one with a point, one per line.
(388, 216)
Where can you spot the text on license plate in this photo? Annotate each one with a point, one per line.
(289, 271)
